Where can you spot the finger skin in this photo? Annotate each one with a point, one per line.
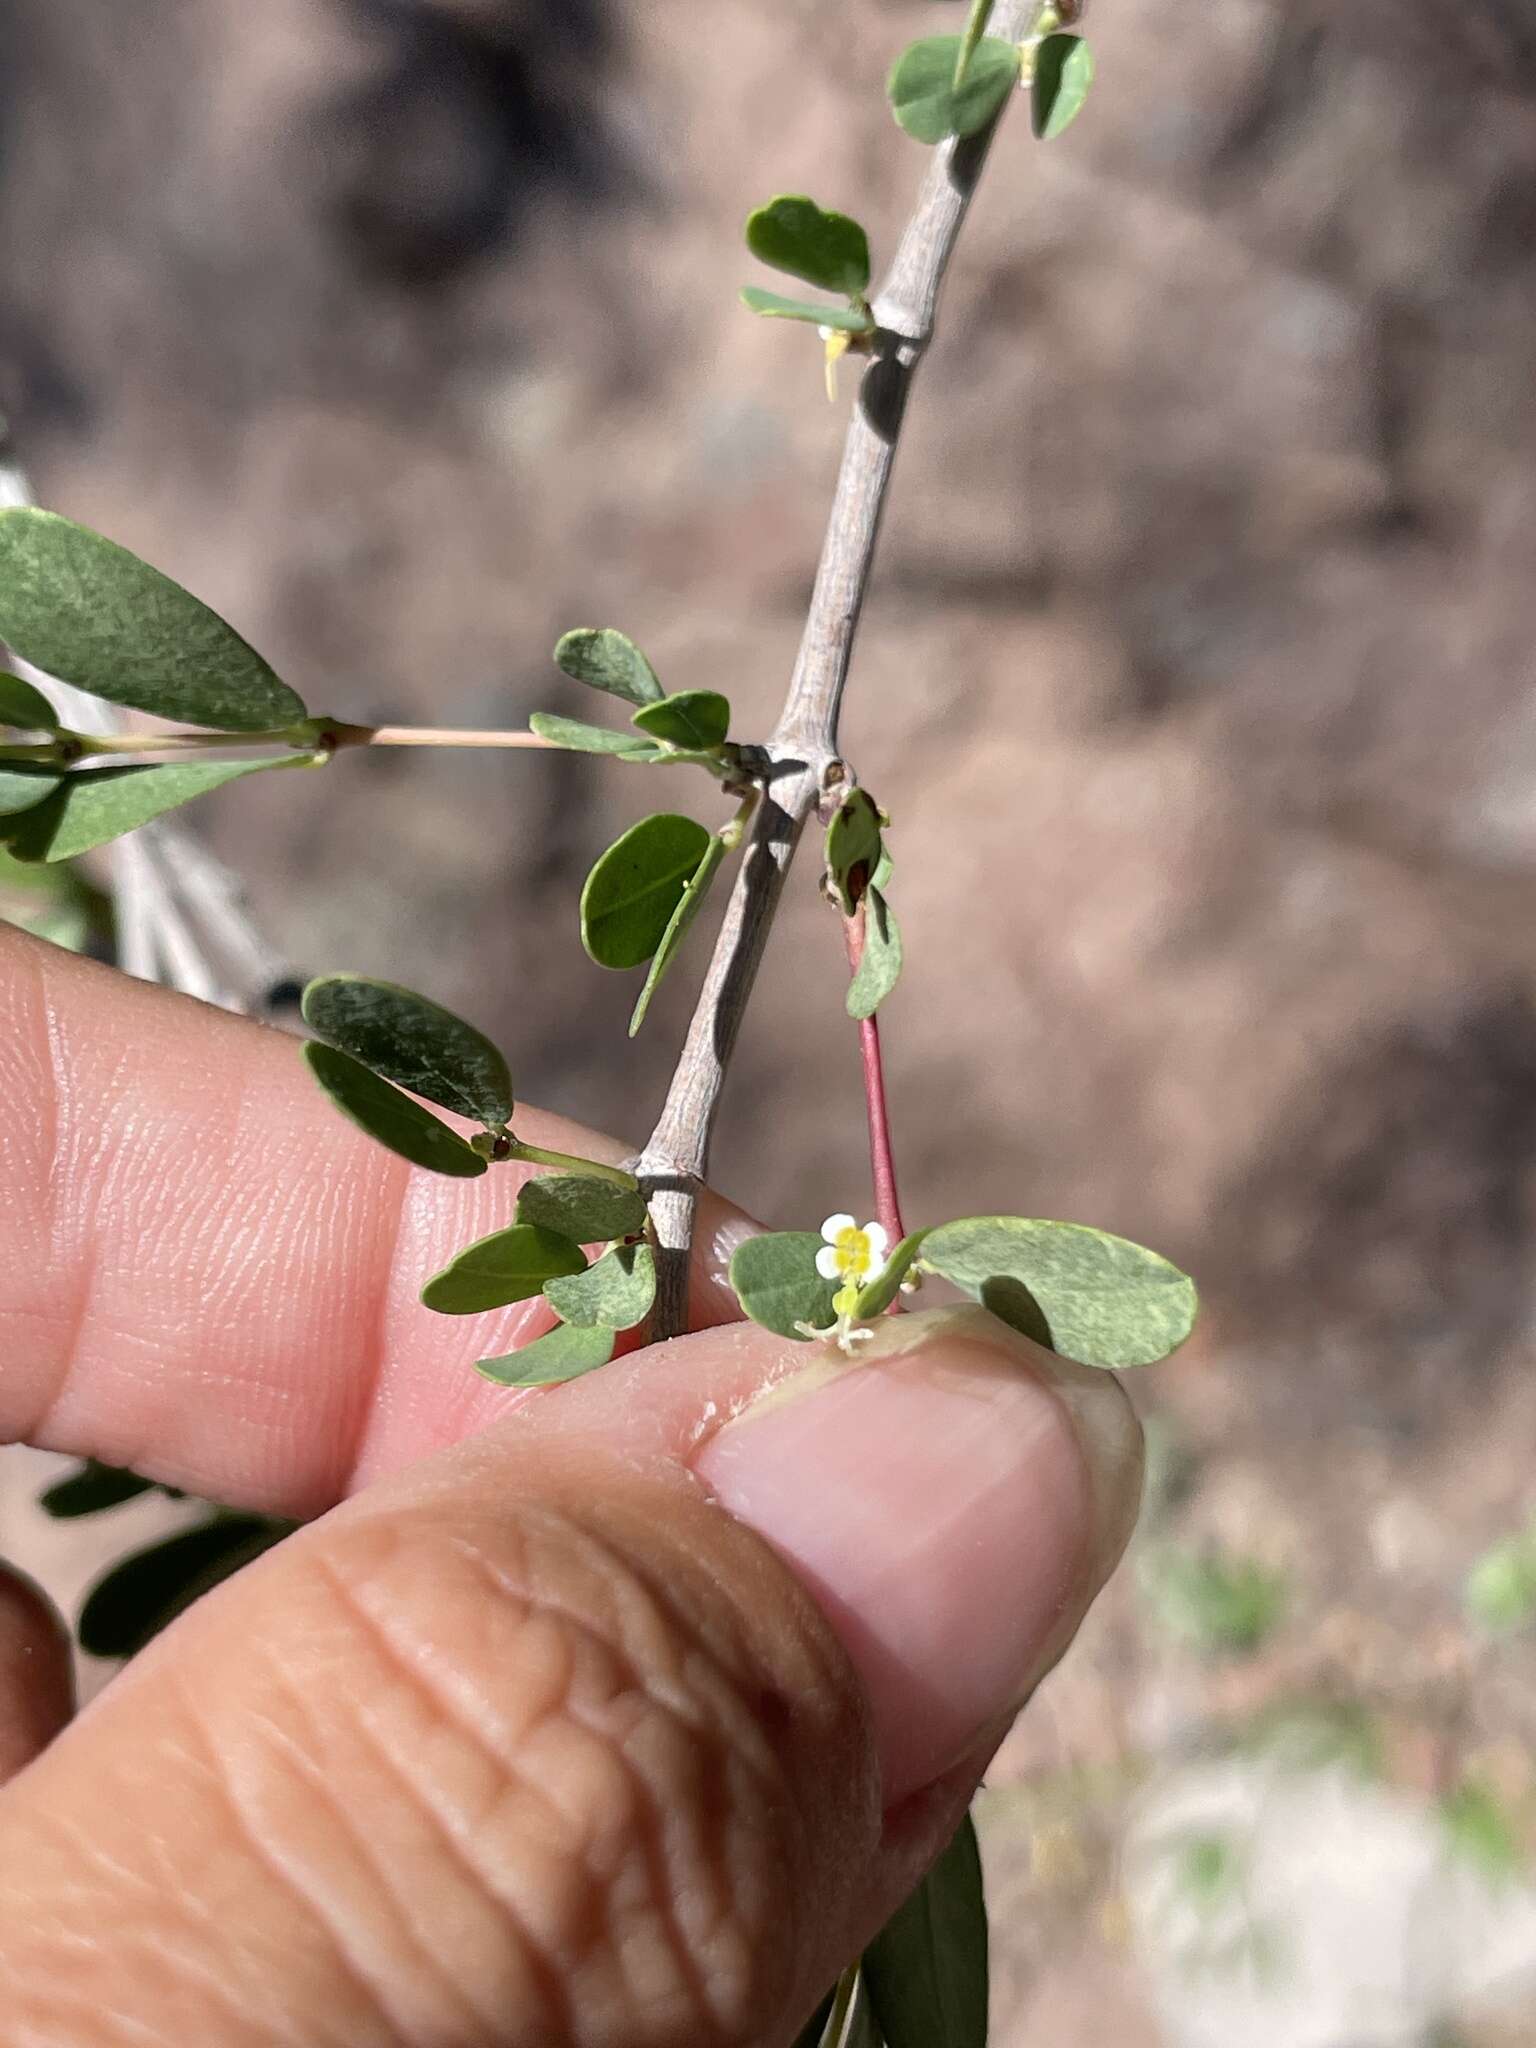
(36, 1678)
(208, 1275)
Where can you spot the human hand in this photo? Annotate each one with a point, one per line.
(619, 1715)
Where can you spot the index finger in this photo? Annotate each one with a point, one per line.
(208, 1275)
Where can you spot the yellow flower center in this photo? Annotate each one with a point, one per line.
(855, 1254)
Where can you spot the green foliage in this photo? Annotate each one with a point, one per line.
(585, 1210)
(87, 611)
(926, 1971)
(1218, 1605)
(879, 968)
(929, 104)
(580, 738)
(1500, 1590)
(564, 1354)
(1092, 1297)
(1063, 74)
(53, 903)
(853, 847)
(877, 1297)
(91, 1489)
(774, 306)
(415, 1043)
(25, 709)
(777, 1284)
(1480, 1831)
(693, 718)
(609, 660)
(614, 1294)
(636, 886)
(689, 904)
(147, 1591)
(23, 787)
(826, 249)
(390, 1117)
(509, 1265)
(93, 806)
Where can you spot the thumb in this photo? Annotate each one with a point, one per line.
(621, 1726)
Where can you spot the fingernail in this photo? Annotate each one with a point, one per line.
(954, 1500)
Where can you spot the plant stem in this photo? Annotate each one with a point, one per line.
(802, 766)
(882, 1154)
(433, 736)
(566, 1162)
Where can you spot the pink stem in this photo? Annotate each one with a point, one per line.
(882, 1156)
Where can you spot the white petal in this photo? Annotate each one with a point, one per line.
(826, 1263)
(879, 1242)
(834, 1227)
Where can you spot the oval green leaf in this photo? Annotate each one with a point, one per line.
(413, 1042)
(93, 806)
(609, 660)
(91, 1489)
(776, 1281)
(926, 1971)
(925, 99)
(689, 906)
(1063, 74)
(565, 1354)
(693, 718)
(585, 1210)
(147, 1591)
(580, 738)
(509, 1265)
(774, 306)
(1092, 1297)
(827, 249)
(390, 1118)
(880, 968)
(26, 709)
(853, 847)
(614, 1294)
(635, 887)
(23, 787)
(90, 613)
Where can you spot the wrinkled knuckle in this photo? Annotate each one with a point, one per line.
(516, 1776)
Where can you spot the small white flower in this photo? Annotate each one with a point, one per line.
(852, 1253)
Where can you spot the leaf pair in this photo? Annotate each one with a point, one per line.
(688, 725)
(792, 233)
(954, 86)
(380, 1039)
(859, 871)
(541, 1252)
(146, 1591)
(1083, 1293)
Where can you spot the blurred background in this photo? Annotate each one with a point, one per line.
(1198, 678)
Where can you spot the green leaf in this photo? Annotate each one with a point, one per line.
(91, 1489)
(689, 905)
(693, 718)
(23, 787)
(564, 1354)
(1222, 1606)
(592, 739)
(509, 1265)
(414, 1043)
(93, 806)
(90, 613)
(878, 1296)
(609, 660)
(774, 306)
(926, 1970)
(586, 1210)
(389, 1117)
(614, 1294)
(827, 249)
(147, 1591)
(635, 887)
(777, 1284)
(26, 709)
(1500, 1590)
(925, 99)
(880, 969)
(1481, 1832)
(1096, 1298)
(1063, 74)
(853, 847)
